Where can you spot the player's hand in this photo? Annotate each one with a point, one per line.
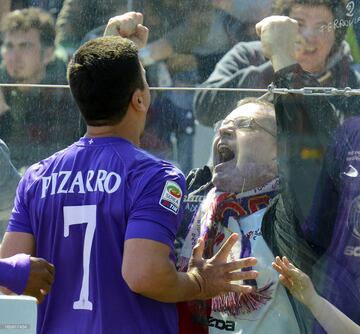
(298, 283)
(40, 279)
(215, 275)
(129, 25)
(278, 35)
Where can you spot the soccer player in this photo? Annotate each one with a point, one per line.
(106, 212)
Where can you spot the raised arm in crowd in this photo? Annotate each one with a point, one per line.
(322, 52)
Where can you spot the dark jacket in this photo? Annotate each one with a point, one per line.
(244, 66)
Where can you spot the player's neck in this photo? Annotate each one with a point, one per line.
(130, 127)
(127, 133)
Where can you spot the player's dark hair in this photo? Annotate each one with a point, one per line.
(337, 8)
(103, 75)
(31, 18)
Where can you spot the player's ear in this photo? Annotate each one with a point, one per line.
(137, 100)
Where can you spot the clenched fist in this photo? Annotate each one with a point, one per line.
(129, 25)
(278, 35)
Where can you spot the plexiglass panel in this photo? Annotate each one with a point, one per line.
(279, 166)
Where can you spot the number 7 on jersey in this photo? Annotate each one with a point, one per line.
(75, 215)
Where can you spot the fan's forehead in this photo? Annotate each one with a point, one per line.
(252, 110)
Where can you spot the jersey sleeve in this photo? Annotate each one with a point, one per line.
(20, 218)
(156, 210)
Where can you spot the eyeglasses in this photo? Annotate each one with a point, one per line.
(241, 123)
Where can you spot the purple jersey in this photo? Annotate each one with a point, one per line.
(81, 204)
(334, 222)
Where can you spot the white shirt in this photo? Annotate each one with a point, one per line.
(273, 315)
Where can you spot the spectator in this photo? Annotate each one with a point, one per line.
(118, 270)
(40, 121)
(304, 124)
(301, 287)
(322, 51)
(245, 181)
(327, 216)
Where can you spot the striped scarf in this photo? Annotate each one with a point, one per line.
(211, 222)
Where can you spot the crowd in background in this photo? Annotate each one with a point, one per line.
(187, 40)
(211, 43)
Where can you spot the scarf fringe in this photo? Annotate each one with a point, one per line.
(234, 303)
(182, 263)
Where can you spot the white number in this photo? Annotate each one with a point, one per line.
(74, 215)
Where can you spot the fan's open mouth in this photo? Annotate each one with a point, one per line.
(225, 153)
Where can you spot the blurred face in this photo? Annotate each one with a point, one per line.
(316, 42)
(24, 59)
(244, 149)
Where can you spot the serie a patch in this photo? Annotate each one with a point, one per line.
(171, 197)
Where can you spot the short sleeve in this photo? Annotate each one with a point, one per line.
(157, 207)
(20, 219)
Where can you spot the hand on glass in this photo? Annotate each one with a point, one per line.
(298, 283)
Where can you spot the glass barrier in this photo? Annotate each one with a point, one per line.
(276, 164)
